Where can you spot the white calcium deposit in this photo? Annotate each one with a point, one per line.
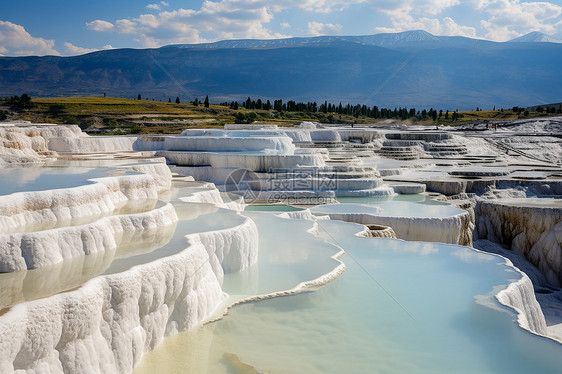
(106, 325)
(82, 319)
(273, 144)
(213, 196)
(297, 135)
(41, 210)
(520, 296)
(454, 229)
(109, 323)
(159, 171)
(92, 144)
(37, 249)
(21, 143)
(535, 231)
(254, 162)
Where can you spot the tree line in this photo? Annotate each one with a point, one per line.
(356, 110)
(195, 102)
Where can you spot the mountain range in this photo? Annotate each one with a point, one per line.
(414, 69)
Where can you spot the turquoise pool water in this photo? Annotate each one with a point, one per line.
(417, 198)
(48, 178)
(271, 208)
(399, 206)
(391, 209)
(282, 265)
(401, 307)
(205, 218)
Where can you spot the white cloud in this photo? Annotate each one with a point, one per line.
(216, 20)
(512, 18)
(125, 26)
(323, 6)
(100, 25)
(233, 19)
(14, 40)
(157, 6)
(317, 28)
(501, 19)
(75, 50)
(451, 28)
(404, 21)
(226, 19)
(419, 7)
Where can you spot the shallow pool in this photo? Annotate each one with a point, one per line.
(391, 209)
(282, 265)
(49, 178)
(401, 307)
(414, 198)
(203, 218)
(272, 208)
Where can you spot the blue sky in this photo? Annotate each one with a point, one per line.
(64, 27)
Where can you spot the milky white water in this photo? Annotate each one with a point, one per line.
(400, 307)
(391, 209)
(49, 178)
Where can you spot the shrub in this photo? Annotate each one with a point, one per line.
(112, 124)
(135, 130)
(70, 120)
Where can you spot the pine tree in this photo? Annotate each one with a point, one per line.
(206, 101)
(177, 100)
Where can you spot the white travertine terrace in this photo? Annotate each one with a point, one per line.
(108, 323)
(31, 250)
(520, 296)
(92, 144)
(92, 320)
(254, 162)
(29, 143)
(455, 228)
(532, 227)
(42, 210)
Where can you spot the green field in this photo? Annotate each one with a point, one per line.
(109, 115)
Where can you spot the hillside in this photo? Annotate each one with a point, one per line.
(117, 116)
(413, 69)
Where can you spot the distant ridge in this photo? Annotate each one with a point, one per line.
(535, 37)
(389, 40)
(413, 69)
(544, 106)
